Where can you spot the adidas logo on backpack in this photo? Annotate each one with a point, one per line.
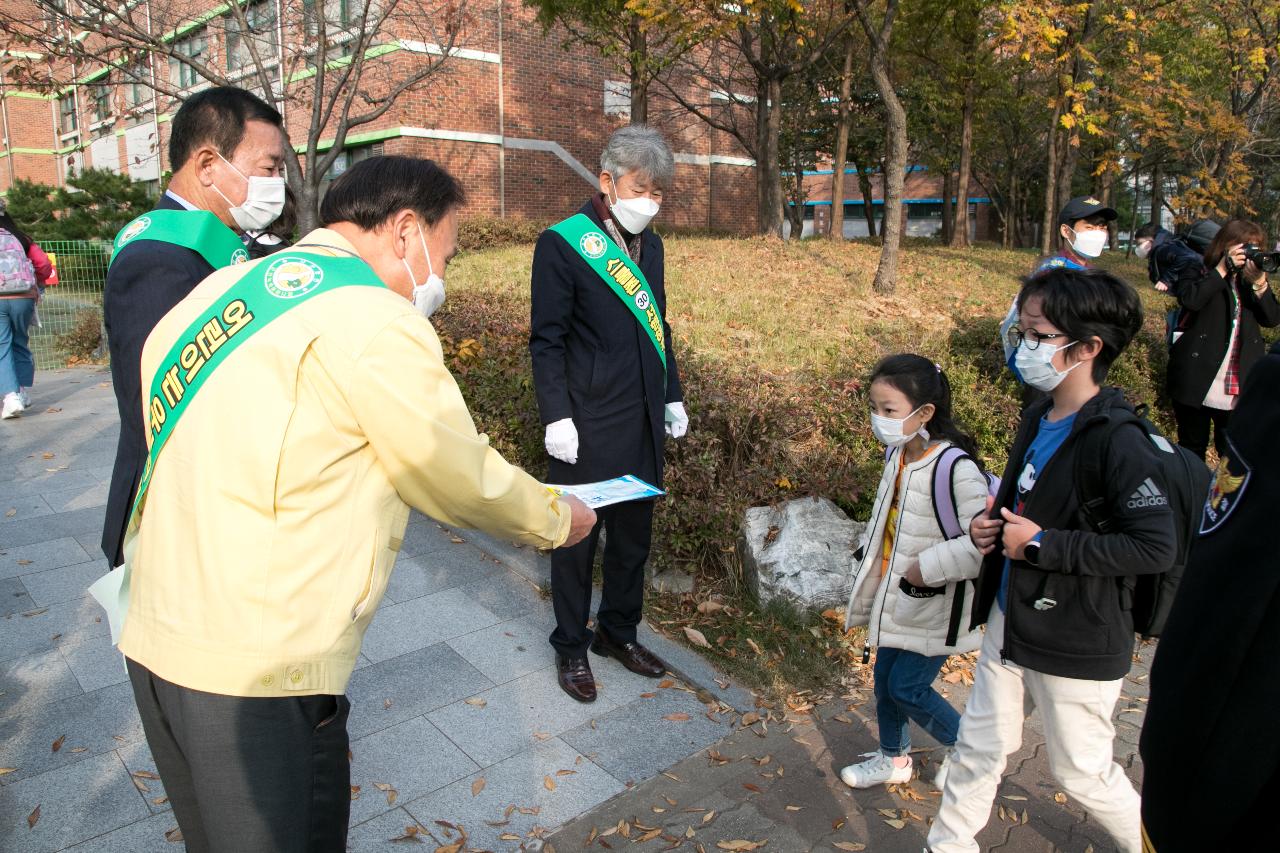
(1147, 495)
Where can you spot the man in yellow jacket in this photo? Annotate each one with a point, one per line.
(267, 527)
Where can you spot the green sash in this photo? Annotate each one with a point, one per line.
(198, 230)
(267, 291)
(611, 262)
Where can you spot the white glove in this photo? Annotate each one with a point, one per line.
(562, 440)
(677, 422)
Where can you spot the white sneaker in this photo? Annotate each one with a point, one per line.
(12, 406)
(24, 394)
(940, 778)
(878, 769)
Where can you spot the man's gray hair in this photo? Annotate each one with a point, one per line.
(639, 148)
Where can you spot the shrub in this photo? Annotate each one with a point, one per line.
(489, 232)
(81, 343)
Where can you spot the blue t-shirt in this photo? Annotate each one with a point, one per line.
(1046, 443)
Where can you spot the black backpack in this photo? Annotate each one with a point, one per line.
(1187, 479)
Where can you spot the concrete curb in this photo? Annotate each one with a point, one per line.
(685, 664)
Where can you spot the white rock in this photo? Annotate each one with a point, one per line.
(800, 550)
(672, 581)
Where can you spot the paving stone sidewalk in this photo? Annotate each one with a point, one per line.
(456, 683)
(778, 783)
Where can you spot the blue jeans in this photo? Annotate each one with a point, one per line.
(16, 365)
(904, 691)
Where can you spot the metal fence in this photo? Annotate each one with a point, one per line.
(69, 310)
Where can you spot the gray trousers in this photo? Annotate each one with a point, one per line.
(249, 775)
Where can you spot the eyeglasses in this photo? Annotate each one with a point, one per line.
(1016, 336)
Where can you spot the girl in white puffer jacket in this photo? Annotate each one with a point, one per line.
(911, 588)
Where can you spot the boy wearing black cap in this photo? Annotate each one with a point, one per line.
(1082, 235)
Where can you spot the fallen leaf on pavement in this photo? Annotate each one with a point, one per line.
(739, 844)
(159, 801)
(693, 634)
(565, 772)
(145, 774)
(5, 771)
(476, 701)
(896, 824)
(33, 818)
(541, 735)
(548, 783)
(410, 834)
(173, 836)
(679, 717)
(755, 789)
(57, 744)
(851, 846)
(665, 683)
(793, 808)
(750, 719)
(708, 817)
(1059, 797)
(10, 513)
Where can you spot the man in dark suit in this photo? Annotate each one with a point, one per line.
(1211, 773)
(227, 152)
(608, 393)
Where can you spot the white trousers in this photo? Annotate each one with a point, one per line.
(1078, 737)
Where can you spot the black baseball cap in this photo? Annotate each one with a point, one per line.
(1083, 207)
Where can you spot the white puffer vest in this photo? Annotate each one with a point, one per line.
(895, 619)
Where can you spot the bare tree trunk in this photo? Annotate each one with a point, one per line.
(639, 74)
(960, 226)
(868, 197)
(1047, 236)
(842, 145)
(948, 212)
(1067, 170)
(1107, 181)
(308, 204)
(1157, 193)
(768, 170)
(895, 148)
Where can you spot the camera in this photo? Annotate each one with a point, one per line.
(1265, 261)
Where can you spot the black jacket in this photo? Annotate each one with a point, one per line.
(592, 362)
(1212, 762)
(1172, 258)
(1195, 358)
(146, 279)
(1089, 634)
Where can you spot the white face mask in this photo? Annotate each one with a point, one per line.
(633, 214)
(1142, 249)
(1036, 365)
(263, 203)
(1091, 243)
(428, 296)
(888, 431)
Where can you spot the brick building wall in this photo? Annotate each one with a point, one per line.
(518, 118)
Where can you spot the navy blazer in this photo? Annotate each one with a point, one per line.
(144, 281)
(594, 363)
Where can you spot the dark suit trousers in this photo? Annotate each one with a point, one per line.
(1193, 428)
(249, 775)
(629, 528)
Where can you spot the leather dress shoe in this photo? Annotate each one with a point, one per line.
(633, 656)
(575, 678)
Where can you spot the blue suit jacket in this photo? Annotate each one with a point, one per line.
(144, 281)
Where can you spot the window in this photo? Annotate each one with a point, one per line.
(100, 106)
(195, 46)
(67, 120)
(348, 158)
(262, 32)
(854, 209)
(137, 88)
(924, 211)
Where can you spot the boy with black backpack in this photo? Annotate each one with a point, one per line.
(1057, 584)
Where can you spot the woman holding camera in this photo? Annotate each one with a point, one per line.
(1218, 336)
